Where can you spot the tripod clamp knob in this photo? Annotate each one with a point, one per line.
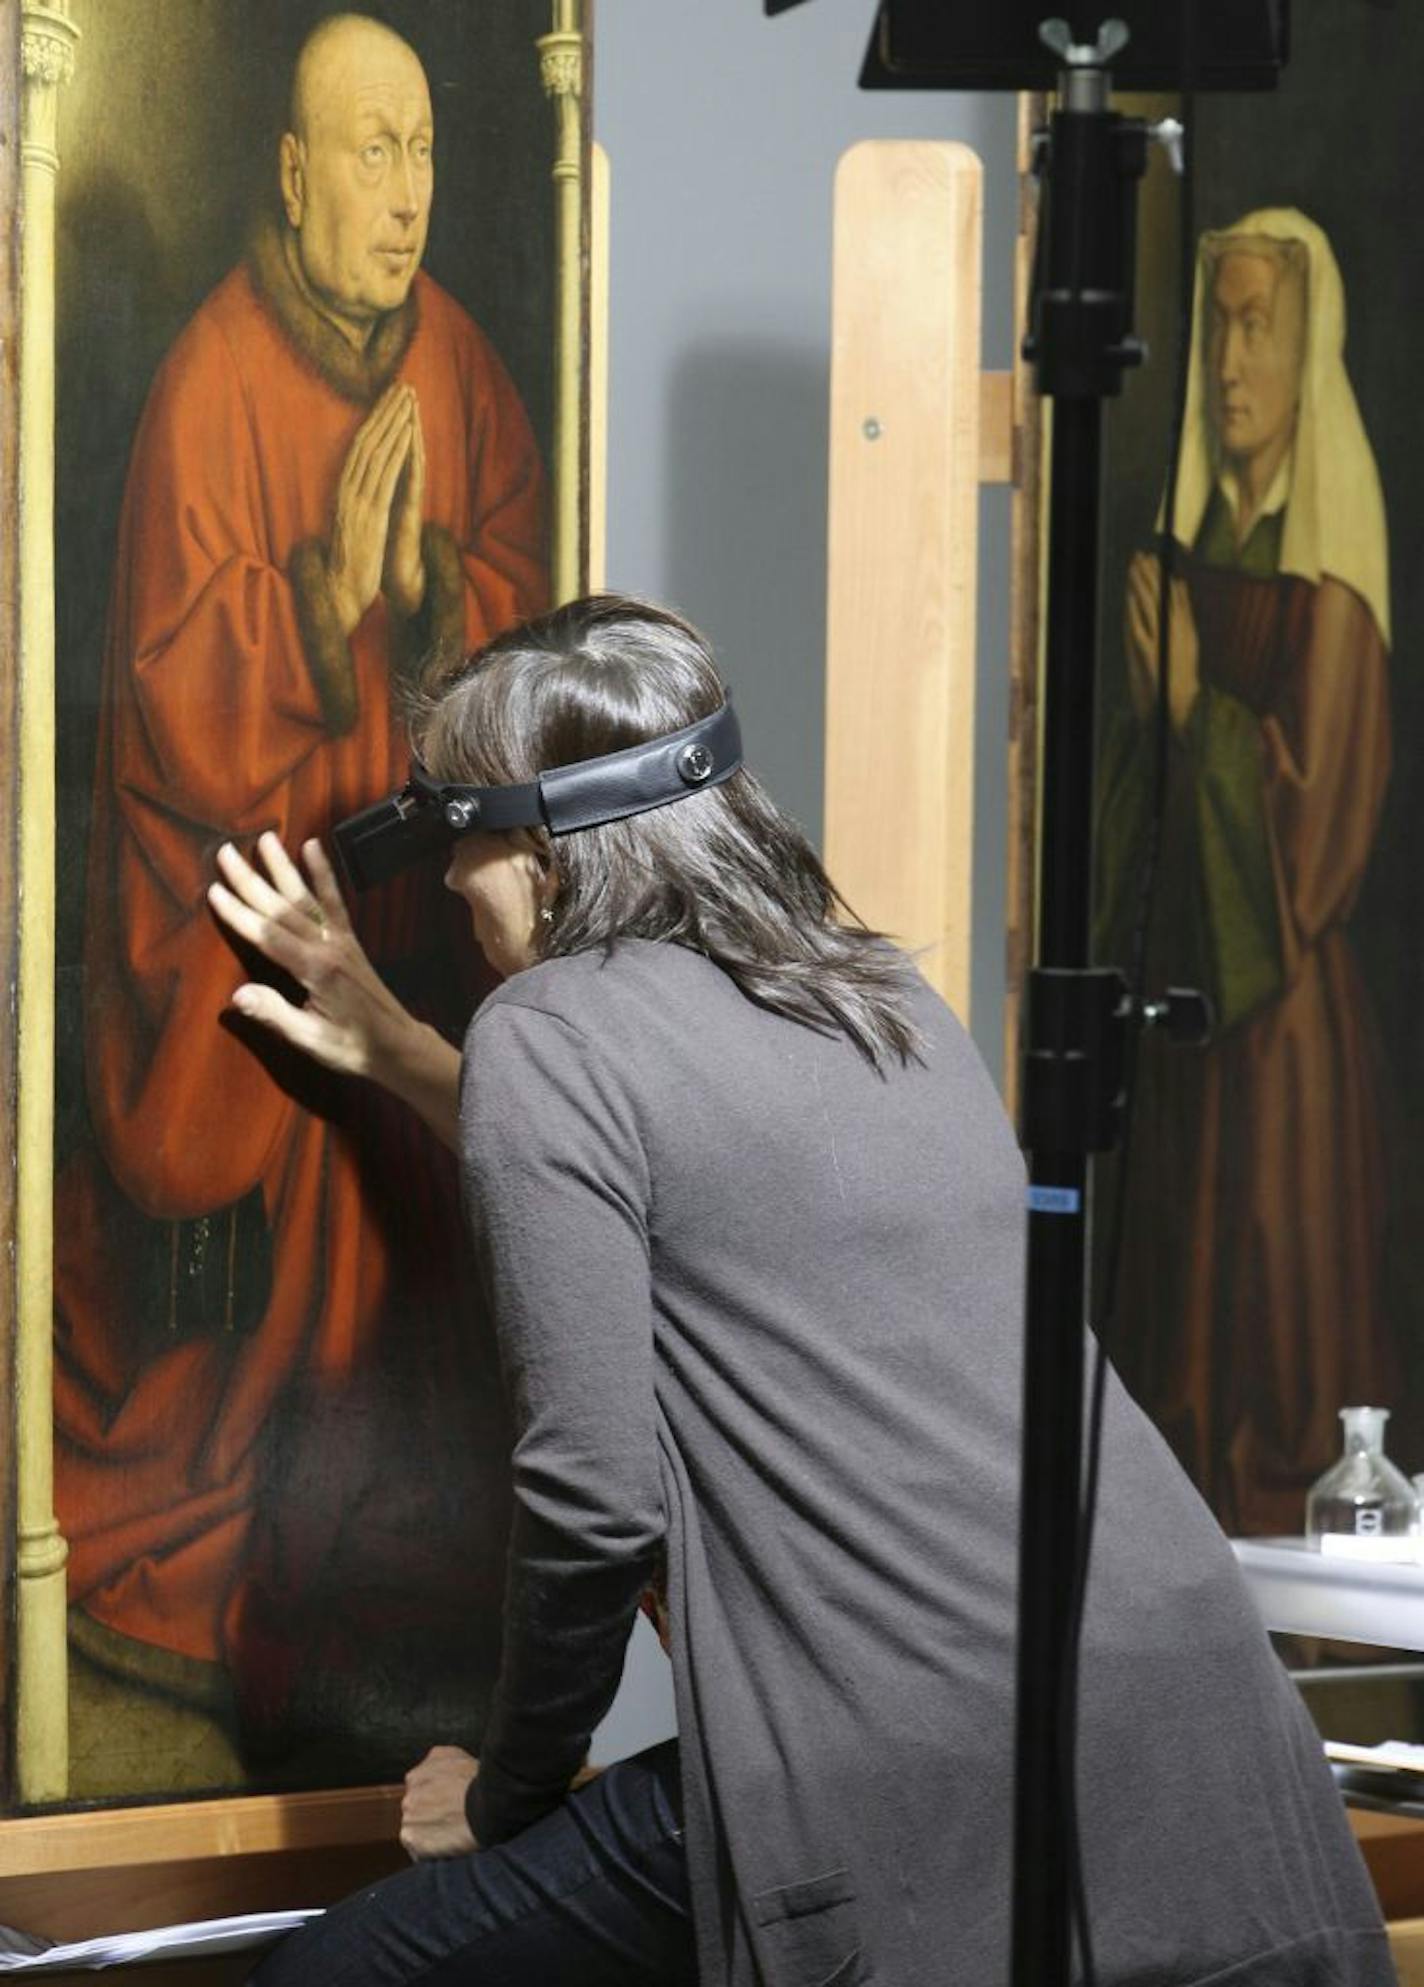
(1183, 1013)
(1113, 37)
(1170, 134)
(1075, 1060)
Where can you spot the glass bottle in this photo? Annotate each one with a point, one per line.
(1363, 1507)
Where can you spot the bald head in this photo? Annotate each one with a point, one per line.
(357, 167)
(342, 53)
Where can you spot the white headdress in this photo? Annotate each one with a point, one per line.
(1335, 517)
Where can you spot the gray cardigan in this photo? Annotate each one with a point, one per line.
(760, 1303)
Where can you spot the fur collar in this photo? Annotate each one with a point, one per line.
(358, 376)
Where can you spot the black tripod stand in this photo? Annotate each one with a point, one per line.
(1078, 1021)
(1088, 163)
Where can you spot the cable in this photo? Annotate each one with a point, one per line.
(1136, 977)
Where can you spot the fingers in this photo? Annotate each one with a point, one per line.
(317, 1033)
(384, 438)
(388, 412)
(382, 463)
(384, 433)
(1139, 627)
(413, 466)
(417, 456)
(1143, 597)
(287, 878)
(286, 892)
(387, 463)
(1144, 578)
(433, 1819)
(325, 884)
(365, 494)
(1144, 581)
(1144, 591)
(282, 919)
(265, 933)
(294, 887)
(1141, 624)
(372, 431)
(305, 1028)
(294, 1024)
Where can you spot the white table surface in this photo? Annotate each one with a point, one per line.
(1303, 1592)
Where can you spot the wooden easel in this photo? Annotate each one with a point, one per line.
(916, 427)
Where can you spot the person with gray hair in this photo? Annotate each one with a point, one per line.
(750, 1220)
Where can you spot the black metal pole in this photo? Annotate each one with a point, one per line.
(1081, 341)
(1056, 1281)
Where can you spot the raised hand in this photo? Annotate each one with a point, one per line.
(350, 1015)
(361, 524)
(351, 1021)
(403, 580)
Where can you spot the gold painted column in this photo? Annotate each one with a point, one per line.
(47, 40)
(600, 204)
(561, 66)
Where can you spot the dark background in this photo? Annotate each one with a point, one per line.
(168, 146)
(1343, 140)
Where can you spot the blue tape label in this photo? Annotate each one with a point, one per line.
(1054, 1200)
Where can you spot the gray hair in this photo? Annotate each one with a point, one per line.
(722, 871)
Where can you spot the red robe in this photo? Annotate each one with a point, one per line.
(231, 703)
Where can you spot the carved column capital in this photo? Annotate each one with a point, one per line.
(47, 41)
(561, 64)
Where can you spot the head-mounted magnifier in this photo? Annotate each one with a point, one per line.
(426, 815)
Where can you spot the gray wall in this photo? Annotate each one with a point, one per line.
(723, 129)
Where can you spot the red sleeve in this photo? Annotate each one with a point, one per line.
(205, 637)
(505, 558)
(209, 706)
(1327, 758)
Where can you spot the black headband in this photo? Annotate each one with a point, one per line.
(427, 814)
(592, 791)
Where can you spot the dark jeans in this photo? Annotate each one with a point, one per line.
(594, 1895)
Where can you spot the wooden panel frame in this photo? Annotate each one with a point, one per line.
(9, 808)
(39, 1759)
(78, 1876)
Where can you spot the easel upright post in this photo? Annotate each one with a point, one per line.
(907, 428)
